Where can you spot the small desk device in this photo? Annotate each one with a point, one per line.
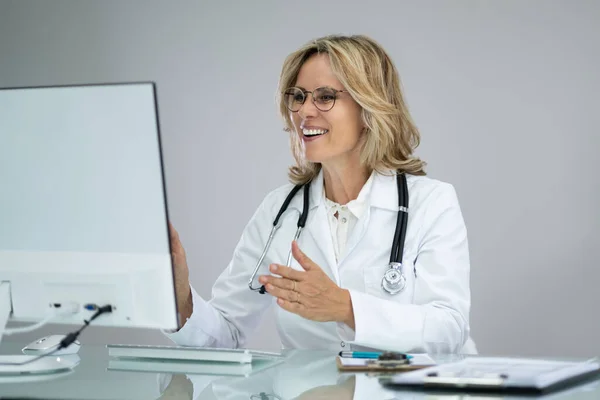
(83, 210)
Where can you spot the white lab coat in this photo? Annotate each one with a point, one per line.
(430, 315)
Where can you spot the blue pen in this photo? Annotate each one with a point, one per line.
(365, 354)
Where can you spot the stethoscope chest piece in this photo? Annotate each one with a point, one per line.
(394, 280)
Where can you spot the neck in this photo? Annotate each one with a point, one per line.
(343, 183)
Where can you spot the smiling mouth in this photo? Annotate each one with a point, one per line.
(314, 132)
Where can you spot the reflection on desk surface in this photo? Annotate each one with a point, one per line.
(313, 375)
(302, 375)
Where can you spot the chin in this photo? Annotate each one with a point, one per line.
(320, 154)
(314, 157)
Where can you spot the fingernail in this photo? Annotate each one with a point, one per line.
(262, 279)
(269, 286)
(273, 267)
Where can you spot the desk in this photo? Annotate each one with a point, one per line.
(303, 375)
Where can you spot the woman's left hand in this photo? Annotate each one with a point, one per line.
(309, 293)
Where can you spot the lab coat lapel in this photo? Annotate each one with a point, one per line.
(317, 226)
(383, 194)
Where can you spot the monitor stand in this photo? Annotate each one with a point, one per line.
(43, 366)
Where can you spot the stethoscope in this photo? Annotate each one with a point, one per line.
(393, 280)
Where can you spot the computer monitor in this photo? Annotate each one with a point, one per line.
(83, 210)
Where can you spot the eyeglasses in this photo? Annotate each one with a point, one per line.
(323, 98)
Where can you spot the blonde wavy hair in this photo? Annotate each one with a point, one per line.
(369, 75)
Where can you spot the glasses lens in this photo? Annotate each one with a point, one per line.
(294, 98)
(324, 98)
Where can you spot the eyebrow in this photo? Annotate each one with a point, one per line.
(318, 87)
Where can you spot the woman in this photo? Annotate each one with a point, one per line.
(353, 139)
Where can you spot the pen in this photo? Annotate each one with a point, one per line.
(367, 354)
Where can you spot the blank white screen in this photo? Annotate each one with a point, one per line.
(80, 170)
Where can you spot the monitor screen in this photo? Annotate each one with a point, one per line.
(80, 170)
(83, 210)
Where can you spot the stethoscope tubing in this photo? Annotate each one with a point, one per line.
(399, 232)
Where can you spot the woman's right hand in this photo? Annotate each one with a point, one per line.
(182, 276)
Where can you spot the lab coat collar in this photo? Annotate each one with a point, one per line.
(316, 191)
(317, 194)
(382, 192)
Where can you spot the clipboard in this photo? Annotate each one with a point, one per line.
(418, 361)
(497, 376)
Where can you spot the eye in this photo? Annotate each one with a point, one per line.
(295, 95)
(325, 96)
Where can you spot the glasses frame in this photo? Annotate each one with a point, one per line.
(304, 92)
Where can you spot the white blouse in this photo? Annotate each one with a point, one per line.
(343, 218)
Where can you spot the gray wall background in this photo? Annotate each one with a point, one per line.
(505, 94)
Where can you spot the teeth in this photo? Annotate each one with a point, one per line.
(313, 132)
